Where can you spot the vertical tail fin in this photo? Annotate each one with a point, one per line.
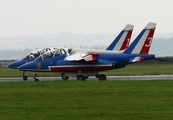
(121, 42)
(142, 43)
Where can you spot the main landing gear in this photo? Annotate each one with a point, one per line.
(102, 77)
(64, 77)
(82, 77)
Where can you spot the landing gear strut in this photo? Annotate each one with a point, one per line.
(80, 76)
(35, 76)
(24, 76)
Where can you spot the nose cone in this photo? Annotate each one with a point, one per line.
(16, 64)
(26, 67)
(31, 66)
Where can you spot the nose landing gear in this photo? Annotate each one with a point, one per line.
(24, 76)
(35, 76)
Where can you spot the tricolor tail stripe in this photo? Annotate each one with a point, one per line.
(121, 42)
(114, 43)
(142, 43)
(146, 46)
(126, 41)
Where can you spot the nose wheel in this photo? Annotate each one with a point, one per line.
(35, 76)
(24, 76)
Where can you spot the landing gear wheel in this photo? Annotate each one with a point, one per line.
(37, 80)
(64, 77)
(25, 77)
(102, 77)
(35, 77)
(81, 77)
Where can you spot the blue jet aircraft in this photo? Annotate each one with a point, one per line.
(120, 43)
(84, 63)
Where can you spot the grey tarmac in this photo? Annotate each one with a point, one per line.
(136, 77)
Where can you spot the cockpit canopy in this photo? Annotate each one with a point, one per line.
(52, 53)
(37, 53)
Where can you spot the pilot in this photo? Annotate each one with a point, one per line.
(31, 55)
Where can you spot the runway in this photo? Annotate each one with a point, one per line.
(139, 77)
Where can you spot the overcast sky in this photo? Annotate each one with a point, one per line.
(38, 17)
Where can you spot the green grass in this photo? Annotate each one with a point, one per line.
(148, 69)
(128, 70)
(93, 100)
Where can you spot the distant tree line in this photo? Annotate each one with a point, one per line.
(158, 61)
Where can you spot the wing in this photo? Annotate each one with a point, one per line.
(89, 56)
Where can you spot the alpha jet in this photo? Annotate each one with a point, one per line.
(83, 64)
(119, 44)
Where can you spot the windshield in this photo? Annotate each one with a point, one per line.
(37, 53)
(53, 53)
(33, 54)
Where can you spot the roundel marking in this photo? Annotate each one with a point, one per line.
(38, 65)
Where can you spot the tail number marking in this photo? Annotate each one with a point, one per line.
(148, 42)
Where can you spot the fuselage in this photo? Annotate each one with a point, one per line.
(106, 60)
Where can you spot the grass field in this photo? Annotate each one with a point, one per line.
(92, 100)
(128, 70)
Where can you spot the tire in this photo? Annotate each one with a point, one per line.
(25, 77)
(102, 77)
(37, 80)
(64, 77)
(80, 77)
